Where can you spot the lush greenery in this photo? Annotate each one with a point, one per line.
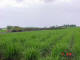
(2, 30)
(21, 29)
(40, 45)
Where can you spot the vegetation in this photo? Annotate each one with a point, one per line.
(2, 30)
(60, 44)
(20, 29)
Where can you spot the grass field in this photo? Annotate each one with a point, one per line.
(63, 44)
(2, 30)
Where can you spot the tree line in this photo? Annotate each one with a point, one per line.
(22, 29)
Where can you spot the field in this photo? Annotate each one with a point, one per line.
(63, 44)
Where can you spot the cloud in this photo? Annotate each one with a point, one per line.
(19, 0)
(28, 3)
(19, 3)
(55, 12)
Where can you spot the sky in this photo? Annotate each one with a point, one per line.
(39, 13)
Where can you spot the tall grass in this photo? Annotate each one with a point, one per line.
(38, 45)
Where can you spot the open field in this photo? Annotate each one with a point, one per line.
(63, 44)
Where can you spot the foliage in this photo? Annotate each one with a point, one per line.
(40, 45)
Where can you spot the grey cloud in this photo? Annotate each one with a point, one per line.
(43, 15)
(19, 0)
(46, 1)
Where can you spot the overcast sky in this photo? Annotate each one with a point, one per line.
(39, 13)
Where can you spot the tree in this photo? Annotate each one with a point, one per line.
(9, 27)
(14, 29)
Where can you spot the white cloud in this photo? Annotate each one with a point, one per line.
(5, 3)
(14, 3)
(62, 12)
(62, 1)
(27, 3)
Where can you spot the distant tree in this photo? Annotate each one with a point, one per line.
(9, 27)
(17, 29)
(52, 27)
(0, 28)
(14, 29)
(72, 25)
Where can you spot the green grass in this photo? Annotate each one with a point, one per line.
(40, 45)
(2, 30)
